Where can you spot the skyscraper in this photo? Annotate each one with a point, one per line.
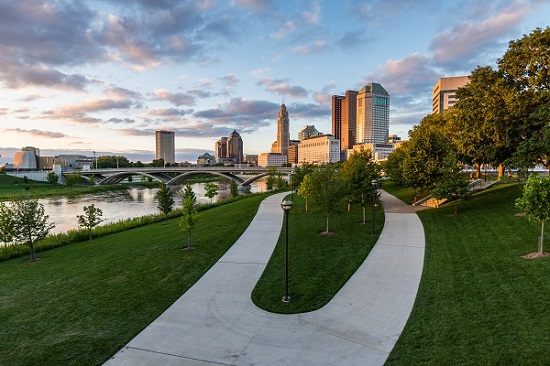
(373, 114)
(235, 147)
(165, 146)
(283, 134)
(220, 149)
(444, 92)
(344, 119)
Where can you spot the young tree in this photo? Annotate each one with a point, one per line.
(452, 184)
(271, 179)
(165, 200)
(306, 188)
(52, 178)
(358, 173)
(328, 190)
(90, 219)
(6, 224)
(211, 190)
(29, 224)
(188, 193)
(73, 178)
(189, 219)
(535, 202)
(234, 188)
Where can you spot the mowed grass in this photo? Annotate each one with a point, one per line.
(479, 302)
(81, 303)
(318, 265)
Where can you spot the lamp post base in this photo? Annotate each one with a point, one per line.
(286, 298)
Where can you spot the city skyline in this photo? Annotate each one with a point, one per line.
(100, 76)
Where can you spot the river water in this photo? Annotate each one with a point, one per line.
(119, 205)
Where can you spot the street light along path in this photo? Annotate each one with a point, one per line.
(215, 321)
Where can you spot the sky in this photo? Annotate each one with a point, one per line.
(84, 76)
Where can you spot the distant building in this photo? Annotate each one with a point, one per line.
(394, 139)
(251, 159)
(344, 117)
(379, 151)
(373, 114)
(235, 147)
(27, 158)
(319, 150)
(165, 146)
(272, 159)
(307, 132)
(283, 132)
(206, 159)
(444, 92)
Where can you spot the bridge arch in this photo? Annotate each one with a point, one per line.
(119, 177)
(183, 177)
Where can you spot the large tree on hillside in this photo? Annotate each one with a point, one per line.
(425, 152)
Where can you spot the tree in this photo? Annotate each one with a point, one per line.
(73, 178)
(306, 188)
(6, 224)
(453, 184)
(90, 219)
(189, 219)
(271, 179)
(165, 200)
(29, 224)
(113, 161)
(358, 171)
(52, 178)
(393, 166)
(300, 172)
(188, 193)
(234, 189)
(328, 189)
(211, 190)
(535, 202)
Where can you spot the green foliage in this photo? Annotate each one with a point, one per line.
(29, 224)
(358, 171)
(112, 161)
(73, 178)
(393, 166)
(535, 202)
(211, 190)
(452, 184)
(6, 224)
(188, 193)
(189, 218)
(271, 179)
(234, 189)
(300, 172)
(90, 219)
(328, 189)
(306, 189)
(52, 178)
(165, 200)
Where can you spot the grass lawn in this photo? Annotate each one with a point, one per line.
(318, 265)
(479, 302)
(81, 303)
(12, 187)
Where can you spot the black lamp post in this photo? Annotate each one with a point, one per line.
(286, 206)
(374, 183)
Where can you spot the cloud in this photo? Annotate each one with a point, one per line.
(462, 46)
(229, 80)
(170, 112)
(280, 87)
(39, 133)
(286, 29)
(352, 40)
(78, 112)
(176, 99)
(116, 92)
(241, 111)
(316, 47)
(121, 120)
(313, 15)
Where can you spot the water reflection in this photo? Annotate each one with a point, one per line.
(121, 205)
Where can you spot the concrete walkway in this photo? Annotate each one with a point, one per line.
(216, 323)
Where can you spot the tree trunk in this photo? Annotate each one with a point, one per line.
(500, 171)
(364, 215)
(306, 203)
(541, 241)
(349, 204)
(327, 226)
(32, 252)
(478, 171)
(89, 234)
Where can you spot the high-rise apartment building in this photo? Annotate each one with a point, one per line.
(165, 146)
(307, 132)
(444, 92)
(235, 147)
(344, 117)
(373, 114)
(283, 133)
(220, 149)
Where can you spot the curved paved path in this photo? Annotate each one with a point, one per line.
(216, 323)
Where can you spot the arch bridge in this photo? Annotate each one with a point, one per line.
(178, 175)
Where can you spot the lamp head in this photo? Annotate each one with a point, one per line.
(286, 205)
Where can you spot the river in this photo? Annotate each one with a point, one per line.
(120, 205)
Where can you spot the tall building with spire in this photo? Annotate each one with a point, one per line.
(283, 133)
(235, 147)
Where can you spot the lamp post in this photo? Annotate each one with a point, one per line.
(374, 183)
(286, 206)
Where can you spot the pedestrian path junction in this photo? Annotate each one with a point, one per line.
(216, 323)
